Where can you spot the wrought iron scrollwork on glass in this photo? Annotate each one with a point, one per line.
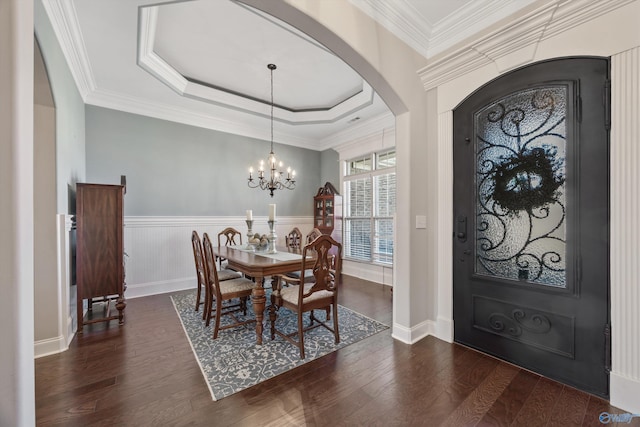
(520, 187)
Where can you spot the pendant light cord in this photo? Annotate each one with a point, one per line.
(272, 67)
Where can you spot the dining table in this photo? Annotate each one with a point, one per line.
(259, 264)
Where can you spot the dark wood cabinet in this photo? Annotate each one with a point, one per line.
(100, 252)
(328, 211)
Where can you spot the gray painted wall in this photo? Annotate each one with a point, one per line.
(330, 168)
(70, 119)
(45, 283)
(174, 169)
(59, 162)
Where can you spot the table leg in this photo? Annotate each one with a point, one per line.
(258, 300)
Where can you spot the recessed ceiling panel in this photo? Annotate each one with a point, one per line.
(226, 45)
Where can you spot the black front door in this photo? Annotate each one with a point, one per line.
(531, 220)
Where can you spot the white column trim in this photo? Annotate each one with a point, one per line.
(625, 230)
(444, 320)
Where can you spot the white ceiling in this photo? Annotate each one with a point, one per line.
(204, 62)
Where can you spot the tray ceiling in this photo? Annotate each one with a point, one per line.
(204, 62)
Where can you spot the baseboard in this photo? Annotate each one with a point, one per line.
(414, 334)
(153, 288)
(55, 345)
(444, 329)
(72, 327)
(624, 393)
(370, 272)
(49, 346)
(401, 333)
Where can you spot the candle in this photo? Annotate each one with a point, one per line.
(272, 212)
(249, 215)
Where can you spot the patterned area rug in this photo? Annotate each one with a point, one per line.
(233, 361)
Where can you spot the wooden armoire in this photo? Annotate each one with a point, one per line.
(100, 272)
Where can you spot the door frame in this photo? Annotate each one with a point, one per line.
(625, 230)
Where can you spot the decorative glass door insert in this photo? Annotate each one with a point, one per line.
(520, 187)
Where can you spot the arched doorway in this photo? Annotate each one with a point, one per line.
(531, 245)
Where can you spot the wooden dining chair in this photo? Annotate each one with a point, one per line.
(223, 274)
(308, 274)
(293, 239)
(199, 262)
(225, 290)
(322, 293)
(228, 237)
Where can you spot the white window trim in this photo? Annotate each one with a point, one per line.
(370, 175)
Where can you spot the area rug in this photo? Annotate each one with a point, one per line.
(234, 361)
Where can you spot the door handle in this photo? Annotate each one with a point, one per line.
(461, 228)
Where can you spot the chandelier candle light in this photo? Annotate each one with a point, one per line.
(276, 179)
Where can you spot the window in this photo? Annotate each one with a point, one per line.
(370, 203)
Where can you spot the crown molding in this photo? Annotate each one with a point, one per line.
(374, 128)
(401, 19)
(469, 20)
(573, 13)
(66, 27)
(519, 36)
(148, 60)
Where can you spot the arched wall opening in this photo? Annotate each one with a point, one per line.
(389, 66)
(51, 318)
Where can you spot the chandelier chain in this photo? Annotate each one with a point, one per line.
(277, 179)
(272, 68)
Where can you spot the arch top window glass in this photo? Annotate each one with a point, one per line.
(520, 192)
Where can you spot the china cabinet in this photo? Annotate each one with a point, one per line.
(328, 211)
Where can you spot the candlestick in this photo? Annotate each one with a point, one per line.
(272, 237)
(249, 233)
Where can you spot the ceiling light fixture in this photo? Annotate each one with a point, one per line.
(276, 180)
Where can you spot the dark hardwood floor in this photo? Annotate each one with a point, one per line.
(145, 374)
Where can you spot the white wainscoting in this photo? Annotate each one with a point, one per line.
(160, 259)
(159, 254)
(65, 295)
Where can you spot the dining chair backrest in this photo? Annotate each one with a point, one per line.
(313, 234)
(325, 262)
(227, 237)
(201, 272)
(230, 235)
(293, 240)
(210, 265)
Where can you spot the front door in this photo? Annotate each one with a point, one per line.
(531, 220)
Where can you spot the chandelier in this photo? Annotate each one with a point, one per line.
(277, 180)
